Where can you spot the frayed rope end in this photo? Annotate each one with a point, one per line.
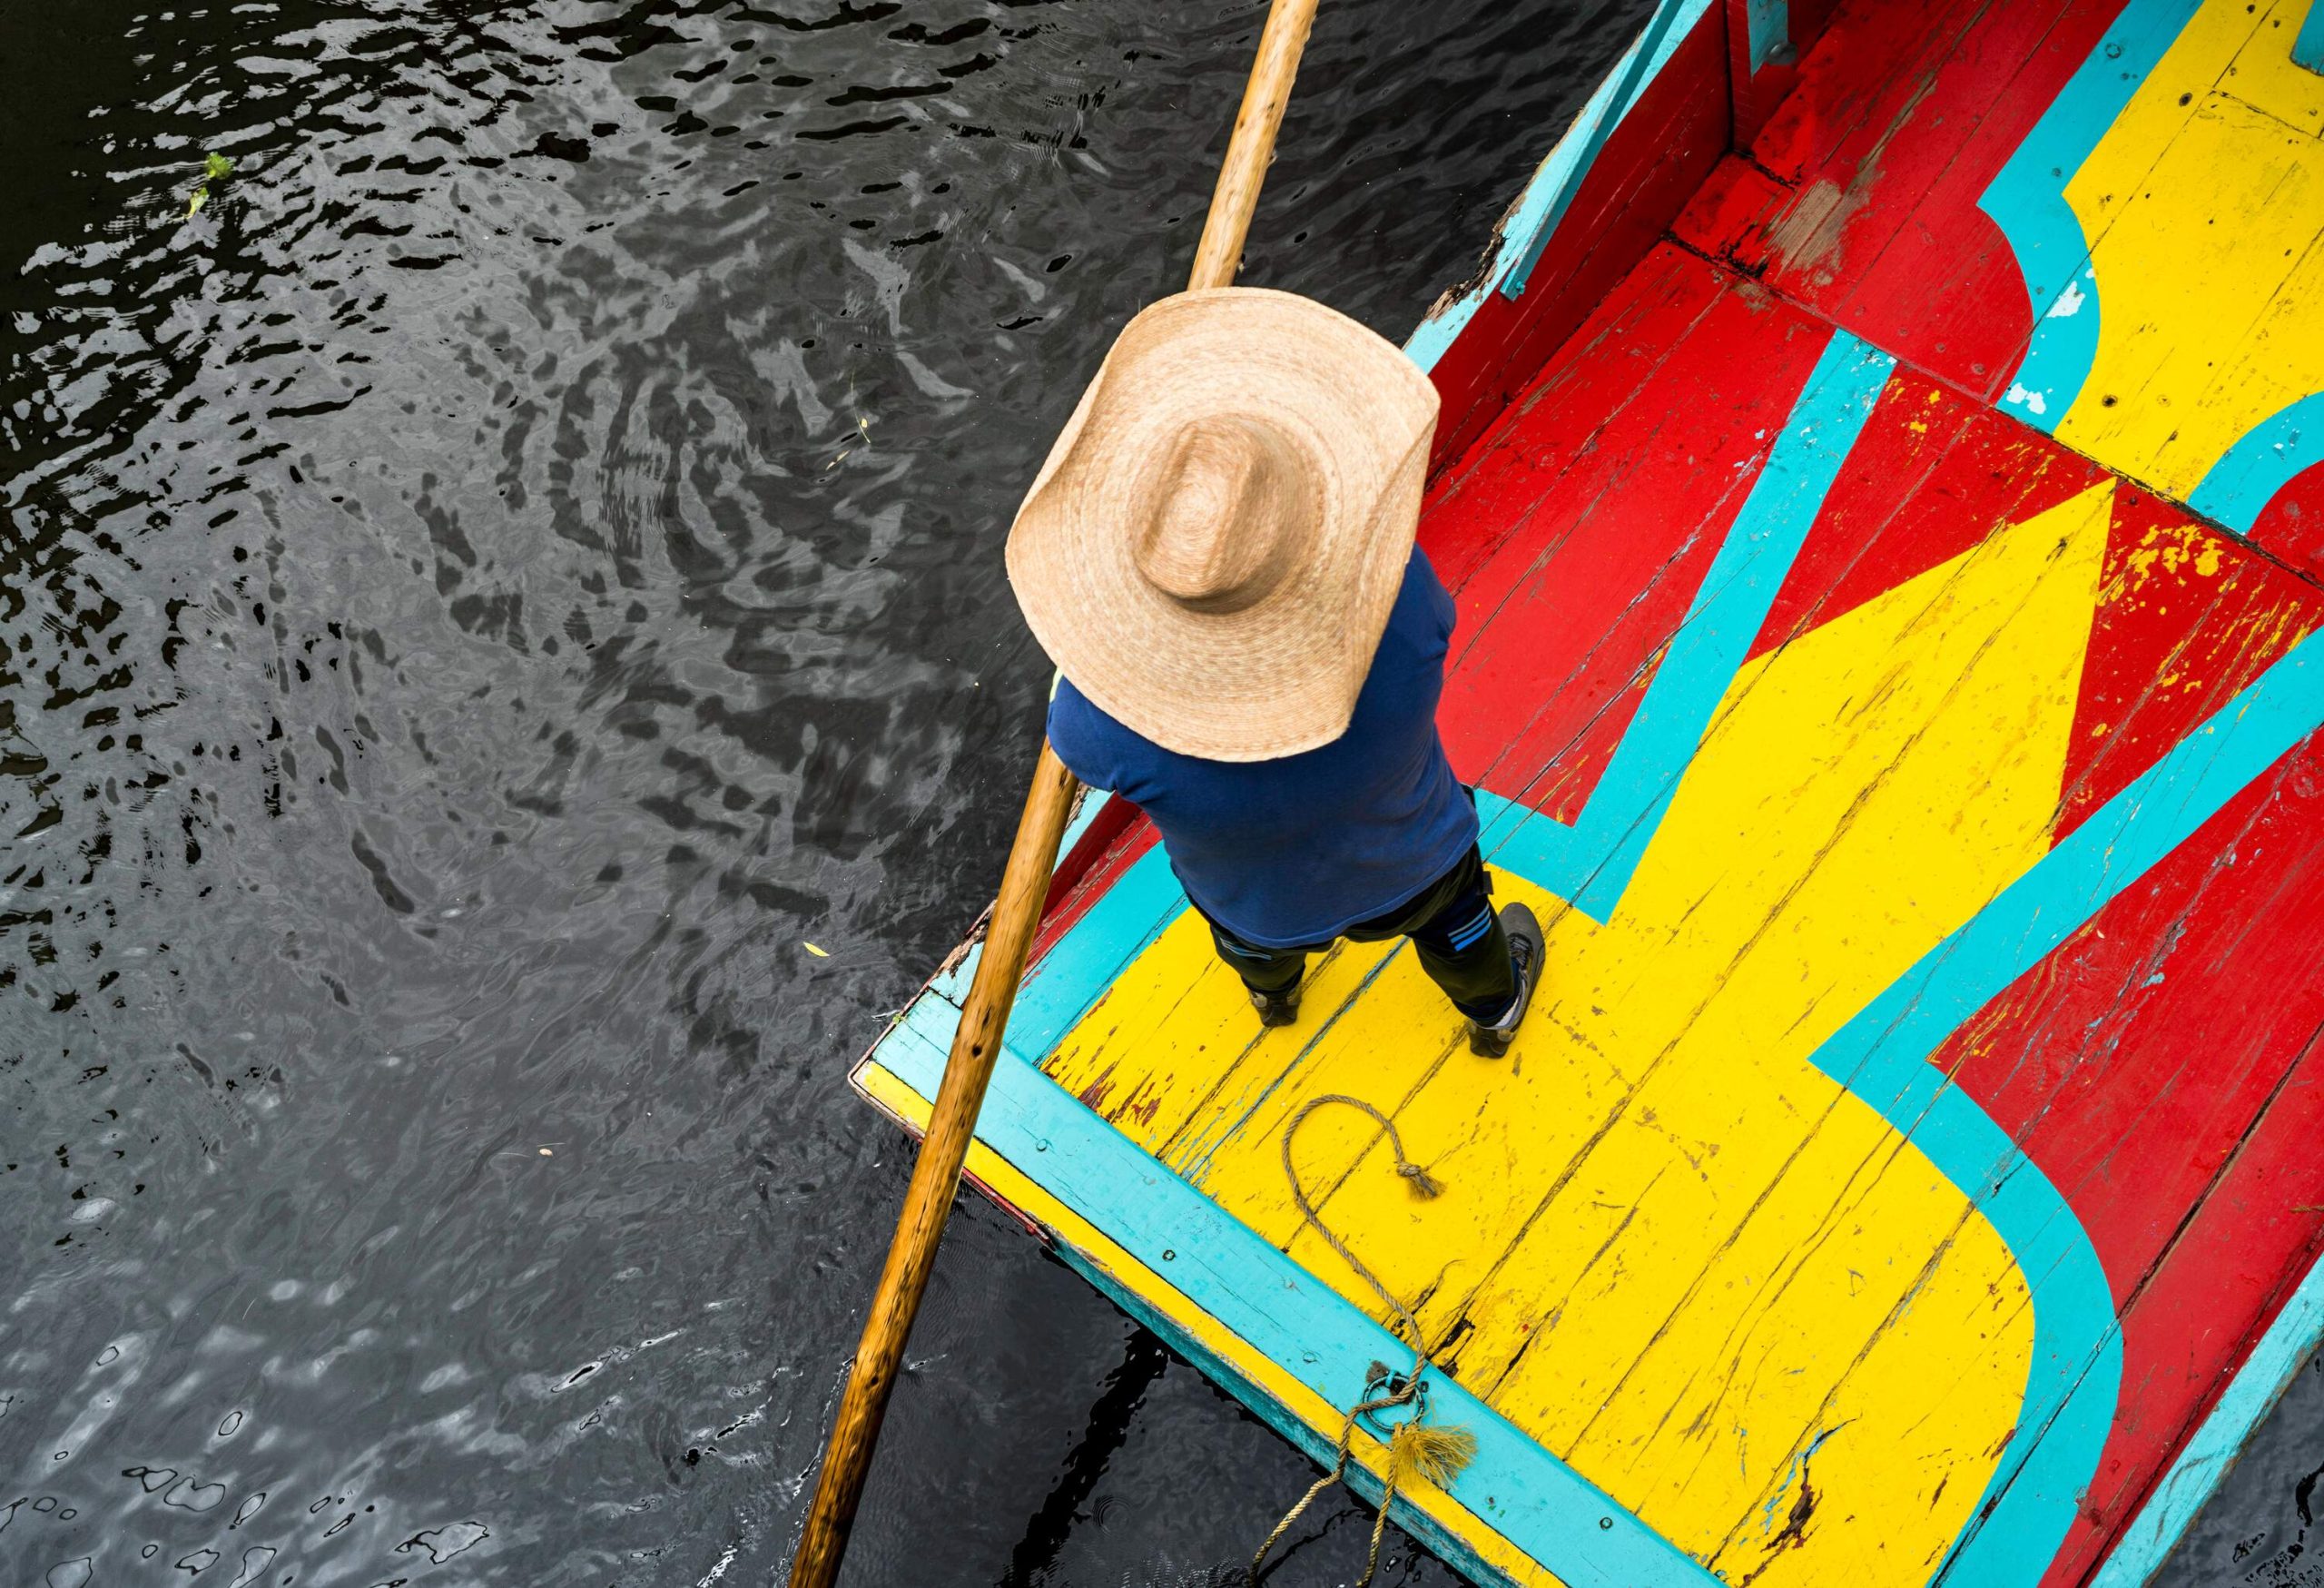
(1425, 1451)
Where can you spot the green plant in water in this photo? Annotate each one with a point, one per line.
(213, 169)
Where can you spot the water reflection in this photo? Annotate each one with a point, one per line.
(477, 598)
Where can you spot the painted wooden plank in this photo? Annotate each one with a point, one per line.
(2203, 220)
(1955, 185)
(1525, 231)
(2145, 1072)
(1766, 40)
(1861, 199)
(2291, 525)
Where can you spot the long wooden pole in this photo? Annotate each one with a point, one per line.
(1024, 885)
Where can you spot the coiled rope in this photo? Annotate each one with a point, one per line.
(1416, 1449)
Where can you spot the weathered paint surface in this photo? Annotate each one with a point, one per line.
(1926, 810)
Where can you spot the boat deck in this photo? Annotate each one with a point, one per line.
(1881, 664)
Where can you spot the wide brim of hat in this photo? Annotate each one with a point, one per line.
(1280, 675)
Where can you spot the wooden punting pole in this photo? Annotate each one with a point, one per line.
(1024, 883)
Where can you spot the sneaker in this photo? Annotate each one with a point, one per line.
(1277, 1009)
(1525, 954)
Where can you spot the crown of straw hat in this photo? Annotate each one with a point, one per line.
(1211, 551)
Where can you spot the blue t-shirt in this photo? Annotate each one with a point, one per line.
(1291, 852)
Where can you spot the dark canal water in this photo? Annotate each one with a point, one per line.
(475, 603)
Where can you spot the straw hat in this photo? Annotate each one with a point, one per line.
(1212, 550)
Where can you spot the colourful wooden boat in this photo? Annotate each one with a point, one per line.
(1882, 477)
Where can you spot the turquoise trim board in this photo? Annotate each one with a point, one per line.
(1597, 125)
(2267, 458)
(1770, 23)
(1537, 210)
(2027, 200)
(1444, 1546)
(1590, 862)
(1522, 1492)
(2195, 1476)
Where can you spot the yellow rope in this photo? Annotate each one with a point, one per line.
(1415, 1449)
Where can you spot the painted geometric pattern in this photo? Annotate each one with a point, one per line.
(1925, 810)
(2100, 214)
(1828, 720)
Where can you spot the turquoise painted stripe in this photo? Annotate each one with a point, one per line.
(1882, 1056)
(2027, 200)
(2307, 50)
(2295, 1335)
(1551, 189)
(2240, 485)
(1771, 31)
(1591, 862)
(1529, 1496)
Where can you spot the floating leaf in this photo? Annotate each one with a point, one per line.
(819, 953)
(201, 197)
(215, 168)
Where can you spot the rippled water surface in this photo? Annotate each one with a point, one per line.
(476, 602)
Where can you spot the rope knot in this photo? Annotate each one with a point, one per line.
(1416, 1450)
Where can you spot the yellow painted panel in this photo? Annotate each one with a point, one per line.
(1979, 1306)
(1651, 1201)
(1174, 1039)
(2205, 217)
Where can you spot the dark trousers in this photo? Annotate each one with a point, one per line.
(1453, 928)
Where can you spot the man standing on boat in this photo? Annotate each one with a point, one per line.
(1219, 556)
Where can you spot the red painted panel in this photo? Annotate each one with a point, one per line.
(1727, 218)
(1475, 507)
(1866, 206)
(1075, 890)
(1643, 176)
(1601, 501)
(2254, 1236)
(1867, 49)
(2292, 524)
